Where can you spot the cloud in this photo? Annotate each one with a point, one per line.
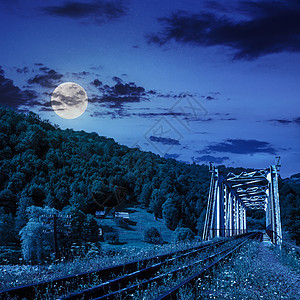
(172, 156)
(210, 98)
(96, 68)
(128, 89)
(225, 117)
(165, 141)
(117, 95)
(93, 11)
(269, 28)
(119, 89)
(159, 114)
(209, 158)
(286, 122)
(97, 83)
(13, 96)
(79, 75)
(73, 100)
(120, 113)
(44, 69)
(239, 146)
(49, 103)
(117, 79)
(49, 79)
(115, 101)
(23, 70)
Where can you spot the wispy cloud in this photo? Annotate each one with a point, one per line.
(158, 114)
(164, 141)
(24, 70)
(89, 11)
(49, 78)
(286, 121)
(240, 146)
(210, 158)
(171, 155)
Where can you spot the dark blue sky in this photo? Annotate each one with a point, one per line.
(191, 80)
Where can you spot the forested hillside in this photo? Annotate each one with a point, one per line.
(42, 165)
(78, 173)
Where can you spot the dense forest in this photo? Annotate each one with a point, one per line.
(46, 170)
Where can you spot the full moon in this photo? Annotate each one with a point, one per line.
(69, 100)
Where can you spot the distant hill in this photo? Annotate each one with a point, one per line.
(294, 180)
(40, 164)
(295, 177)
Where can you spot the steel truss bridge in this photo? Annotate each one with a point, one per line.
(231, 195)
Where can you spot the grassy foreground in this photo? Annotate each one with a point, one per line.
(258, 271)
(17, 275)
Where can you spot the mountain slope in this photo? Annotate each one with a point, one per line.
(41, 164)
(44, 165)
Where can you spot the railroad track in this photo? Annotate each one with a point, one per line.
(115, 290)
(223, 256)
(144, 272)
(70, 282)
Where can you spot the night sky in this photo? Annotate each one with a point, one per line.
(197, 81)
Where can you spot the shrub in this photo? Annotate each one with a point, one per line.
(153, 236)
(78, 251)
(182, 234)
(111, 237)
(121, 222)
(94, 251)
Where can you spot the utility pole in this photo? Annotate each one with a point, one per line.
(57, 256)
(53, 220)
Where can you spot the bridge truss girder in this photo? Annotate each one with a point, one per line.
(231, 195)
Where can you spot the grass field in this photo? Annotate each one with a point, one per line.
(133, 233)
(258, 271)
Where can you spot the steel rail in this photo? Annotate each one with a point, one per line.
(124, 280)
(29, 291)
(132, 288)
(171, 294)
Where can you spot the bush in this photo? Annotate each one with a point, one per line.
(182, 234)
(94, 251)
(78, 251)
(111, 237)
(121, 222)
(152, 236)
(87, 250)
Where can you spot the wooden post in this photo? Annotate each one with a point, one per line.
(57, 256)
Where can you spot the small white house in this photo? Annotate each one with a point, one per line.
(122, 215)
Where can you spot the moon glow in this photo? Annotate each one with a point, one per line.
(69, 100)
